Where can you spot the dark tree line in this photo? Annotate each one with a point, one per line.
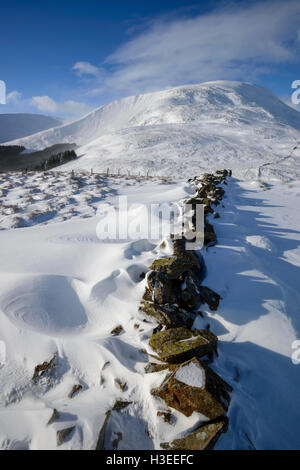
(56, 160)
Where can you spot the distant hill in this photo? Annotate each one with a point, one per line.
(15, 126)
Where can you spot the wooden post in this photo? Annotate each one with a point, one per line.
(107, 172)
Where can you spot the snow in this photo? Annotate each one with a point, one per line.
(186, 130)
(63, 290)
(191, 374)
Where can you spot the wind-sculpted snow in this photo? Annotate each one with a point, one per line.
(63, 291)
(183, 130)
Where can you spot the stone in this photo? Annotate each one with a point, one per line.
(177, 345)
(101, 437)
(76, 388)
(47, 367)
(166, 416)
(62, 435)
(203, 438)
(54, 417)
(120, 405)
(117, 331)
(161, 287)
(168, 315)
(148, 295)
(211, 298)
(121, 385)
(189, 296)
(152, 367)
(199, 389)
(175, 266)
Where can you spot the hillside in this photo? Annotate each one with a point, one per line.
(183, 130)
(15, 126)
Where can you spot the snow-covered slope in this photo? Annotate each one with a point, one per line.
(182, 130)
(63, 290)
(15, 126)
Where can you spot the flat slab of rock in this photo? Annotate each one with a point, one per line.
(177, 345)
(168, 314)
(175, 266)
(195, 387)
(205, 437)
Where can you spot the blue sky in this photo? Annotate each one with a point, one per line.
(67, 57)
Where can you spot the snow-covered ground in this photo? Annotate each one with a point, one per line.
(63, 291)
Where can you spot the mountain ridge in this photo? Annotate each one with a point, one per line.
(181, 129)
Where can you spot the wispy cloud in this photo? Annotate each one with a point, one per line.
(86, 68)
(235, 43)
(70, 108)
(14, 97)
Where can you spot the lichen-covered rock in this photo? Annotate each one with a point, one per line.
(189, 296)
(195, 387)
(203, 438)
(175, 266)
(161, 287)
(168, 315)
(177, 345)
(211, 298)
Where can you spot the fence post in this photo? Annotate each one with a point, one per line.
(107, 172)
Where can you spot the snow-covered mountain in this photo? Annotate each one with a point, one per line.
(18, 125)
(182, 130)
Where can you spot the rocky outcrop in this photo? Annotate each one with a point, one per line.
(177, 345)
(172, 297)
(204, 437)
(195, 387)
(169, 315)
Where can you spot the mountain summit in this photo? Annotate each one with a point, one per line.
(180, 130)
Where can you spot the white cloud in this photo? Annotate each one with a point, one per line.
(70, 108)
(14, 97)
(86, 68)
(44, 103)
(233, 43)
